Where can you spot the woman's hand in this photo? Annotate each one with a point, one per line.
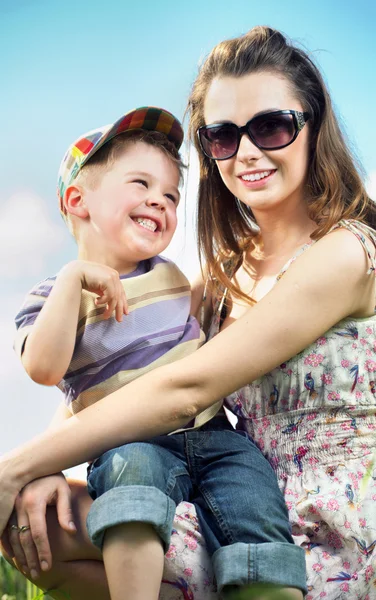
(9, 488)
(30, 547)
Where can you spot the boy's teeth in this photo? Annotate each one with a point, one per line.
(147, 223)
(255, 176)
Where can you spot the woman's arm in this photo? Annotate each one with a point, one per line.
(33, 547)
(324, 285)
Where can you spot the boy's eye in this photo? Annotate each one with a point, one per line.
(142, 181)
(172, 197)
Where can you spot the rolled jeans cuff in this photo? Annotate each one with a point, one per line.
(129, 504)
(277, 563)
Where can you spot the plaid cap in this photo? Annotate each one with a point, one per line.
(149, 118)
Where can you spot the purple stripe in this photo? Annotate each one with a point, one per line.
(139, 344)
(44, 288)
(103, 339)
(23, 320)
(32, 306)
(135, 360)
(44, 291)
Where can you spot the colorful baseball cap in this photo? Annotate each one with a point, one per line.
(148, 118)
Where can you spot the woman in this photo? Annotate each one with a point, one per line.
(301, 351)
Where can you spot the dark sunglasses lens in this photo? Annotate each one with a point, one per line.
(219, 142)
(272, 131)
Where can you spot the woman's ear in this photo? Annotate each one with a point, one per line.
(74, 202)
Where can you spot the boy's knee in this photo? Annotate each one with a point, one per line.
(132, 464)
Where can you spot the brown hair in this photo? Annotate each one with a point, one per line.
(334, 185)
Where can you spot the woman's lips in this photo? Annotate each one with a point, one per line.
(256, 179)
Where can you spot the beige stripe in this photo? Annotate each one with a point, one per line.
(178, 291)
(163, 276)
(90, 316)
(165, 281)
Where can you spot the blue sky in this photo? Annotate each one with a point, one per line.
(68, 67)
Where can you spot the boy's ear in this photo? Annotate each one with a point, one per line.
(74, 202)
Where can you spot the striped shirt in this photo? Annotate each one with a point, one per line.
(109, 354)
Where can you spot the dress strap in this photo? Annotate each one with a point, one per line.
(293, 258)
(365, 234)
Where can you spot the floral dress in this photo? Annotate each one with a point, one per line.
(314, 417)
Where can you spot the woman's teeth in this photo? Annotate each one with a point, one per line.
(147, 223)
(255, 176)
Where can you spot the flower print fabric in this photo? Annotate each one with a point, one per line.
(188, 574)
(314, 417)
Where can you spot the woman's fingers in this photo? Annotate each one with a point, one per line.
(26, 533)
(64, 509)
(29, 550)
(14, 540)
(35, 541)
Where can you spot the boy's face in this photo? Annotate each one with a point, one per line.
(132, 209)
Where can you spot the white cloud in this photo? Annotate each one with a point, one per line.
(371, 185)
(27, 236)
(26, 407)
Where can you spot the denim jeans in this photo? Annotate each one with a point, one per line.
(240, 508)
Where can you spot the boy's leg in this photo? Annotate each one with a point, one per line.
(137, 487)
(133, 558)
(242, 512)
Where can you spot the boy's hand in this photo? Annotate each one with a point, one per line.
(103, 281)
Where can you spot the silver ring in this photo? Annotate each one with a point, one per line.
(23, 528)
(15, 527)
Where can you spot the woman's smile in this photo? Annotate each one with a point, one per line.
(261, 179)
(256, 179)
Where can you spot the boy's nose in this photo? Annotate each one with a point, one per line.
(158, 202)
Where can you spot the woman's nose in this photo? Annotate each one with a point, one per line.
(247, 149)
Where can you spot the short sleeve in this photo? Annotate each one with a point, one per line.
(29, 311)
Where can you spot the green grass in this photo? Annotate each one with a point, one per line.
(14, 586)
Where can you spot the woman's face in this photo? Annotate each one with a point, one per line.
(278, 175)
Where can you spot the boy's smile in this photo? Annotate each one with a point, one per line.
(132, 209)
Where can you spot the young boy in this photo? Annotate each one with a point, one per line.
(119, 189)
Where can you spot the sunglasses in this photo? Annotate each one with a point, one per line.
(269, 131)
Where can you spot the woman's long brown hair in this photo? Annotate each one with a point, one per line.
(334, 186)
